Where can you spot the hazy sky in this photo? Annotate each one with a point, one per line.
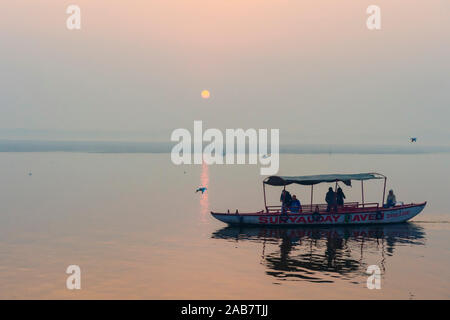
(136, 69)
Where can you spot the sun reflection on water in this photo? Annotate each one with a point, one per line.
(204, 202)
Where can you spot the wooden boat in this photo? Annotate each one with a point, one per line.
(351, 213)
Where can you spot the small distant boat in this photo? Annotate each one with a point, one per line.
(351, 213)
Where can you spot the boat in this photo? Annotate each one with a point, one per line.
(351, 213)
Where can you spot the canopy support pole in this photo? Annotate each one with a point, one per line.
(264, 191)
(384, 192)
(335, 195)
(282, 203)
(362, 190)
(312, 191)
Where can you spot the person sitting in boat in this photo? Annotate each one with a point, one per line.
(330, 199)
(340, 196)
(286, 200)
(296, 206)
(391, 200)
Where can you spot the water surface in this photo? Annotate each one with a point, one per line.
(137, 229)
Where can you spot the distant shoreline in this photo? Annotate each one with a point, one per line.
(166, 147)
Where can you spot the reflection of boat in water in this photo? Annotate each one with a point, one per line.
(321, 254)
(350, 213)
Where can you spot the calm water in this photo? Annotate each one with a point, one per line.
(137, 229)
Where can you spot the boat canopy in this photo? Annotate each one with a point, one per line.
(311, 180)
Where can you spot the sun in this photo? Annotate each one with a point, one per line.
(205, 94)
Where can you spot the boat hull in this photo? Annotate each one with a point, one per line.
(373, 216)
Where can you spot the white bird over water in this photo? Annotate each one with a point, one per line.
(202, 189)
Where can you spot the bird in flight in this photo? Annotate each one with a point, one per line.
(202, 189)
(413, 139)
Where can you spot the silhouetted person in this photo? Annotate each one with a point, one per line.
(391, 200)
(330, 199)
(286, 200)
(296, 206)
(340, 196)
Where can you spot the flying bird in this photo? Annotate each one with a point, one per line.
(202, 189)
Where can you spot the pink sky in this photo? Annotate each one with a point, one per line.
(309, 68)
